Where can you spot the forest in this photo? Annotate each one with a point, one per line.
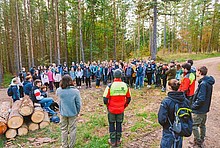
(39, 32)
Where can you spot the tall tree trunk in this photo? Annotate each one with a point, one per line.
(80, 31)
(201, 27)
(164, 29)
(26, 33)
(115, 37)
(138, 35)
(57, 32)
(18, 35)
(31, 36)
(154, 48)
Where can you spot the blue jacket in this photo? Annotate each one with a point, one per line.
(98, 74)
(87, 73)
(167, 108)
(15, 92)
(203, 95)
(140, 70)
(70, 101)
(27, 85)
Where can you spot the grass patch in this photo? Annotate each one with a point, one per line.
(144, 115)
(138, 125)
(100, 142)
(7, 80)
(2, 140)
(182, 57)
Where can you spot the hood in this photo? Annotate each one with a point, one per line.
(208, 79)
(177, 96)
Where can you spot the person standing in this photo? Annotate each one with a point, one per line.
(27, 85)
(187, 84)
(70, 105)
(116, 97)
(166, 115)
(87, 75)
(201, 105)
(171, 73)
(57, 78)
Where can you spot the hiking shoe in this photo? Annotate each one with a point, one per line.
(111, 144)
(118, 143)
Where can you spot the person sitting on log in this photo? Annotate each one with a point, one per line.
(36, 97)
(13, 89)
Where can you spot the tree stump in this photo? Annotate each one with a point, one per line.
(46, 121)
(27, 106)
(15, 120)
(23, 130)
(33, 126)
(11, 133)
(38, 115)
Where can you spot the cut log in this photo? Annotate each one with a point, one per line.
(5, 110)
(3, 126)
(46, 121)
(27, 106)
(15, 120)
(4, 113)
(33, 126)
(38, 115)
(23, 130)
(11, 133)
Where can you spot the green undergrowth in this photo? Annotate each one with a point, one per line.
(7, 80)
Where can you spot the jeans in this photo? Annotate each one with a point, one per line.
(88, 82)
(68, 131)
(139, 81)
(46, 102)
(105, 79)
(199, 121)
(168, 140)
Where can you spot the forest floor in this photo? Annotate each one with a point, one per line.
(140, 127)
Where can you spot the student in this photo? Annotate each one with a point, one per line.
(187, 84)
(98, 77)
(14, 89)
(179, 72)
(158, 74)
(164, 77)
(87, 75)
(79, 74)
(38, 98)
(51, 80)
(139, 76)
(201, 105)
(105, 74)
(57, 78)
(128, 74)
(72, 73)
(149, 73)
(70, 105)
(166, 115)
(27, 85)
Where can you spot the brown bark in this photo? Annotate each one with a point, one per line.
(27, 107)
(5, 109)
(15, 120)
(38, 115)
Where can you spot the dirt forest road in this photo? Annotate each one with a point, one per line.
(212, 140)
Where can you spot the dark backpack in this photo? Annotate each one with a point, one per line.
(182, 124)
(9, 91)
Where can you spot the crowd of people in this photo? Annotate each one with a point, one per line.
(178, 80)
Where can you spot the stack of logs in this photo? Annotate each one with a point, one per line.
(22, 117)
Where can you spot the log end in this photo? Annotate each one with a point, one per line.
(15, 122)
(26, 110)
(44, 124)
(33, 127)
(37, 116)
(3, 128)
(11, 133)
(22, 131)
